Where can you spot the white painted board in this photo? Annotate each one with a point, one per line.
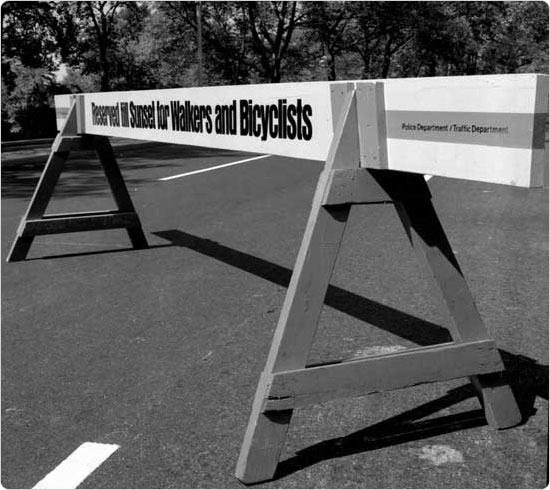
(485, 128)
(488, 128)
(281, 119)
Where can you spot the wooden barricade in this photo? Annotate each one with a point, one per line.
(286, 382)
(36, 222)
(373, 154)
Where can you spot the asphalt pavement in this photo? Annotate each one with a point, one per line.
(159, 350)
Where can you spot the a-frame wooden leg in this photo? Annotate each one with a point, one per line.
(434, 252)
(120, 193)
(35, 222)
(39, 201)
(266, 431)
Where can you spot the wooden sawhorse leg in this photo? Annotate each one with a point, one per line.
(35, 222)
(294, 335)
(39, 201)
(465, 324)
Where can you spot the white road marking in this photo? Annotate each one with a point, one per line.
(213, 168)
(427, 177)
(78, 466)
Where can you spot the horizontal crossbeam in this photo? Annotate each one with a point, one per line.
(68, 223)
(353, 186)
(486, 128)
(291, 389)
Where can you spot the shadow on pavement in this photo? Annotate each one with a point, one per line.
(97, 252)
(528, 378)
(393, 431)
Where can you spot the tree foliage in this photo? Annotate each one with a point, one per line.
(117, 45)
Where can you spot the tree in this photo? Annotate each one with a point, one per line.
(225, 35)
(28, 51)
(272, 25)
(27, 33)
(115, 45)
(102, 17)
(241, 39)
(27, 110)
(88, 33)
(328, 23)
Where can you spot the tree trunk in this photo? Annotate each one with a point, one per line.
(105, 78)
(276, 69)
(331, 65)
(387, 58)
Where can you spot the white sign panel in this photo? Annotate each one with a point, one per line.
(489, 128)
(285, 119)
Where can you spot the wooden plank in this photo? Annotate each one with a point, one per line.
(20, 248)
(293, 337)
(372, 125)
(52, 170)
(80, 213)
(39, 202)
(474, 127)
(46, 184)
(119, 190)
(353, 186)
(80, 104)
(505, 103)
(338, 93)
(112, 171)
(539, 163)
(345, 154)
(435, 254)
(319, 384)
(265, 433)
(291, 119)
(465, 324)
(70, 224)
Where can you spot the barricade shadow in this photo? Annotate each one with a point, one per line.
(95, 252)
(528, 378)
(396, 430)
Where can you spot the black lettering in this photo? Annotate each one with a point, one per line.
(308, 127)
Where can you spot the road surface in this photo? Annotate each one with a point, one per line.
(159, 351)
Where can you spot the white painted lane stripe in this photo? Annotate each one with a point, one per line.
(213, 168)
(78, 466)
(194, 172)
